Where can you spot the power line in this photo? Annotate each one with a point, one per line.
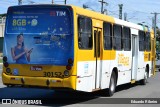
(114, 13)
(102, 3)
(136, 10)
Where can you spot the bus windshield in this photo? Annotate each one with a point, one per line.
(39, 35)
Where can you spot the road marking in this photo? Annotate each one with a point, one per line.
(101, 97)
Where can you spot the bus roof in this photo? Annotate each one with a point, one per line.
(95, 15)
(108, 18)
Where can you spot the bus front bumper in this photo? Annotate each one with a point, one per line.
(39, 81)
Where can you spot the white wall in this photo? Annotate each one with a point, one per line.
(2, 27)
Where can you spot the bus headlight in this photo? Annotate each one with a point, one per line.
(66, 73)
(8, 70)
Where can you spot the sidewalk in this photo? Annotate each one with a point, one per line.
(1, 62)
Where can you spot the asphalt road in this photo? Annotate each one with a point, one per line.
(70, 98)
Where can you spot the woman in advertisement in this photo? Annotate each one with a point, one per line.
(19, 53)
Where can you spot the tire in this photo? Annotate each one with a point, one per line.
(144, 81)
(112, 85)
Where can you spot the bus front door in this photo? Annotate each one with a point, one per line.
(97, 55)
(134, 57)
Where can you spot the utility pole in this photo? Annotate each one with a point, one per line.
(65, 1)
(155, 24)
(125, 16)
(120, 11)
(19, 2)
(102, 2)
(52, 1)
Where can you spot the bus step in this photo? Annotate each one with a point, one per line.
(133, 81)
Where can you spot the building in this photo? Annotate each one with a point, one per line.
(2, 28)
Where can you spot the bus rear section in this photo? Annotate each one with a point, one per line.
(39, 46)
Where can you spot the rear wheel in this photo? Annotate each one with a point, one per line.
(112, 85)
(144, 81)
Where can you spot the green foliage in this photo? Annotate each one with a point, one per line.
(158, 40)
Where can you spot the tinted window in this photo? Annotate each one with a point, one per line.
(117, 38)
(107, 32)
(84, 32)
(148, 41)
(141, 40)
(126, 39)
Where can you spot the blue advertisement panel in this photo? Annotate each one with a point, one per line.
(39, 35)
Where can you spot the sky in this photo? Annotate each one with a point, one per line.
(138, 11)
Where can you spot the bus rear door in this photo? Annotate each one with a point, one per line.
(134, 57)
(98, 56)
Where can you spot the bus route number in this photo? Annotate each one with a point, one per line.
(52, 74)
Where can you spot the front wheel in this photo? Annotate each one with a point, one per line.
(112, 85)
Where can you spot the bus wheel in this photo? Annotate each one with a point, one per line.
(112, 85)
(144, 81)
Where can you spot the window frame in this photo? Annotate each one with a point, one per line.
(91, 33)
(125, 38)
(141, 40)
(148, 42)
(111, 36)
(117, 37)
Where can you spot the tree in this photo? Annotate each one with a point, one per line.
(158, 40)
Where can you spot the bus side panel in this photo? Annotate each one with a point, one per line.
(84, 62)
(124, 61)
(85, 70)
(85, 74)
(140, 62)
(106, 74)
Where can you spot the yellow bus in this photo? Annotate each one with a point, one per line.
(62, 46)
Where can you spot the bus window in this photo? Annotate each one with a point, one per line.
(141, 41)
(148, 42)
(126, 39)
(107, 32)
(84, 33)
(117, 38)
